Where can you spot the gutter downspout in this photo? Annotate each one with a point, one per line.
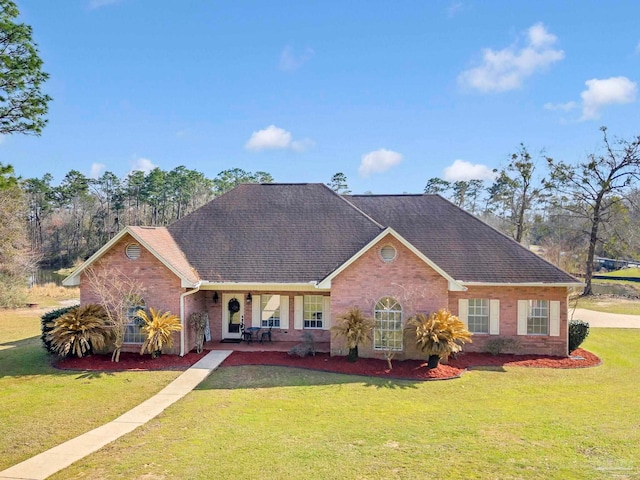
(182, 321)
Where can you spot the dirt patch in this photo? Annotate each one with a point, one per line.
(370, 367)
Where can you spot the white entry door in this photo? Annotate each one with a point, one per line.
(232, 314)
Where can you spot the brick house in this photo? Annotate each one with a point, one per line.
(293, 256)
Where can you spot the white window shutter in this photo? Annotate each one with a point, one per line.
(298, 312)
(554, 319)
(326, 313)
(256, 310)
(284, 312)
(463, 311)
(523, 313)
(494, 317)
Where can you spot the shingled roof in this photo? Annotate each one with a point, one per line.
(462, 245)
(274, 233)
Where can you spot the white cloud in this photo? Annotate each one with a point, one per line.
(142, 164)
(638, 48)
(607, 91)
(289, 61)
(97, 169)
(463, 170)
(94, 4)
(378, 161)
(276, 138)
(506, 69)
(562, 107)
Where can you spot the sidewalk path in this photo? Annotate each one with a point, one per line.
(47, 463)
(606, 320)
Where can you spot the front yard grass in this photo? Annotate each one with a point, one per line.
(608, 305)
(272, 423)
(41, 407)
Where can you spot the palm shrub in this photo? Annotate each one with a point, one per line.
(438, 335)
(47, 323)
(79, 331)
(199, 320)
(356, 328)
(158, 328)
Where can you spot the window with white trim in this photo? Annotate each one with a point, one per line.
(478, 315)
(388, 253)
(270, 311)
(132, 251)
(538, 317)
(387, 332)
(133, 330)
(312, 315)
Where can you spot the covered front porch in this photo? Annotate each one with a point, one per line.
(282, 346)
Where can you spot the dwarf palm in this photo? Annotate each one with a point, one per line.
(79, 331)
(355, 328)
(438, 335)
(159, 330)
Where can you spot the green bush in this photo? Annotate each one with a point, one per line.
(46, 322)
(499, 345)
(578, 331)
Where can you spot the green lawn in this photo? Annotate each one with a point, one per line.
(609, 305)
(276, 423)
(41, 407)
(625, 272)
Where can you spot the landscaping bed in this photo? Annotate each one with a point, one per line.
(371, 367)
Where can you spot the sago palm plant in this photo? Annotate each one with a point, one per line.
(158, 329)
(79, 331)
(355, 328)
(438, 335)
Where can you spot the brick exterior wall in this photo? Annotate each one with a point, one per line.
(160, 286)
(415, 285)
(419, 288)
(508, 297)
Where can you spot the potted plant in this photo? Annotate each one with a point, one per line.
(355, 328)
(158, 329)
(438, 335)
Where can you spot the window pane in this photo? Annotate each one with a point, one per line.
(538, 318)
(387, 334)
(312, 314)
(270, 315)
(478, 315)
(133, 332)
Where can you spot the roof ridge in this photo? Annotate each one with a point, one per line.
(361, 212)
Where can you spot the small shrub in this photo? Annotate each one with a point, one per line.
(306, 348)
(158, 329)
(496, 346)
(199, 320)
(47, 323)
(578, 332)
(79, 331)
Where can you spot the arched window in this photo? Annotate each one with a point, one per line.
(387, 332)
(132, 333)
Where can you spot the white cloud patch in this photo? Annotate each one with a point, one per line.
(290, 61)
(463, 170)
(638, 48)
(561, 107)
(506, 69)
(607, 91)
(97, 169)
(95, 4)
(276, 138)
(142, 164)
(454, 8)
(378, 161)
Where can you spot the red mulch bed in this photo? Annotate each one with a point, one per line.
(371, 367)
(129, 361)
(410, 369)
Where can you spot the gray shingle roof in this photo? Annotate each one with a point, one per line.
(299, 233)
(276, 233)
(462, 245)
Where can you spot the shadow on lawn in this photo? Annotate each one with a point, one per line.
(266, 376)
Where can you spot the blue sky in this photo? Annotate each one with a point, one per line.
(390, 93)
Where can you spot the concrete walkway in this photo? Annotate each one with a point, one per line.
(47, 463)
(606, 320)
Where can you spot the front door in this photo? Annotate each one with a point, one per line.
(232, 315)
